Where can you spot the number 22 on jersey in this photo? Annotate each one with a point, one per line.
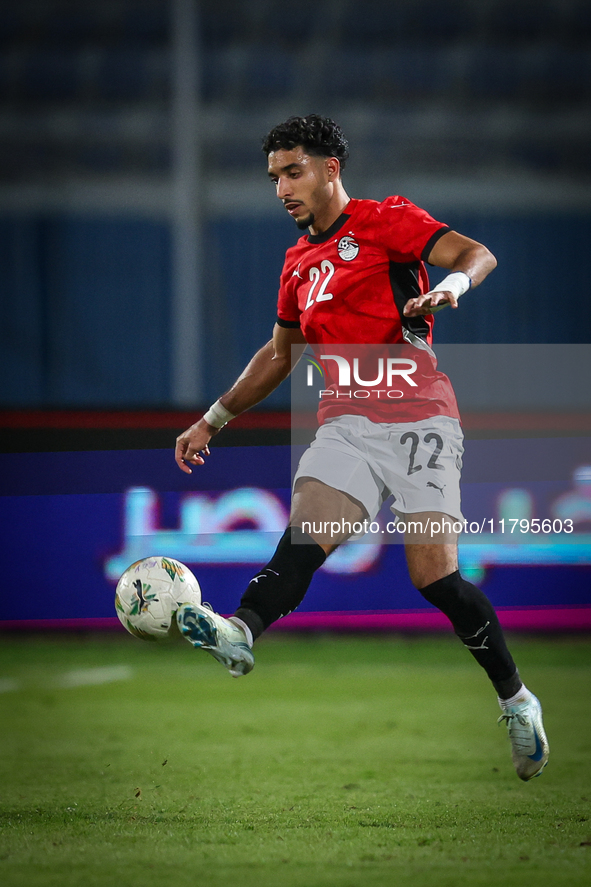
(325, 272)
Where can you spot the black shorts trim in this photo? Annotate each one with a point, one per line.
(288, 324)
(432, 241)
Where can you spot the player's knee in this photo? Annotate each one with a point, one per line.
(441, 588)
(428, 564)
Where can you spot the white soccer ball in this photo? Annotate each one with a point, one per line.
(150, 592)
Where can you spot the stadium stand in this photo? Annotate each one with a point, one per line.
(519, 24)
(488, 92)
(107, 59)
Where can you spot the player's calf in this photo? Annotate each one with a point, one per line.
(274, 592)
(280, 586)
(476, 624)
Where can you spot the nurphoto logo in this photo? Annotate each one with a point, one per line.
(395, 366)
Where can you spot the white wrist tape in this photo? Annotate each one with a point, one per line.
(217, 415)
(456, 283)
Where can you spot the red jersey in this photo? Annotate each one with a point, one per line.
(349, 285)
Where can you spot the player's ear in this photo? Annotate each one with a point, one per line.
(333, 168)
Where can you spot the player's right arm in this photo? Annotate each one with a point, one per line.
(268, 368)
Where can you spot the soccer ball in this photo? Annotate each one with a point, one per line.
(150, 592)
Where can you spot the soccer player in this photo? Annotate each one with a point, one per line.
(358, 278)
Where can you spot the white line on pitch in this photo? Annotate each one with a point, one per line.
(85, 677)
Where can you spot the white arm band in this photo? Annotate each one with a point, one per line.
(457, 283)
(217, 415)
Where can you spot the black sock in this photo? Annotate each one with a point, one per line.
(476, 624)
(280, 586)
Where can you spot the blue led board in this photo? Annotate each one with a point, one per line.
(72, 522)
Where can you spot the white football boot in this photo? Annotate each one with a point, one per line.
(221, 637)
(529, 745)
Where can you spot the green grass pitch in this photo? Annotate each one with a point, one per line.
(339, 762)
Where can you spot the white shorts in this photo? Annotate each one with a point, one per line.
(419, 463)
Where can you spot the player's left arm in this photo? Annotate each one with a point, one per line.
(467, 258)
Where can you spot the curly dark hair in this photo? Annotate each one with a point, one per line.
(318, 136)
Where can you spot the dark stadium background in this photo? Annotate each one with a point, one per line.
(140, 241)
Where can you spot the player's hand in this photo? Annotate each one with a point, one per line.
(429, 303)
(192, 445)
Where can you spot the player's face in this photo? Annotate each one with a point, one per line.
(303, 183)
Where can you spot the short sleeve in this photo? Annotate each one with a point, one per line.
(407, 232)
(288, 312)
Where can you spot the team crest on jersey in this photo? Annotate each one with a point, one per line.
(348, 248)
